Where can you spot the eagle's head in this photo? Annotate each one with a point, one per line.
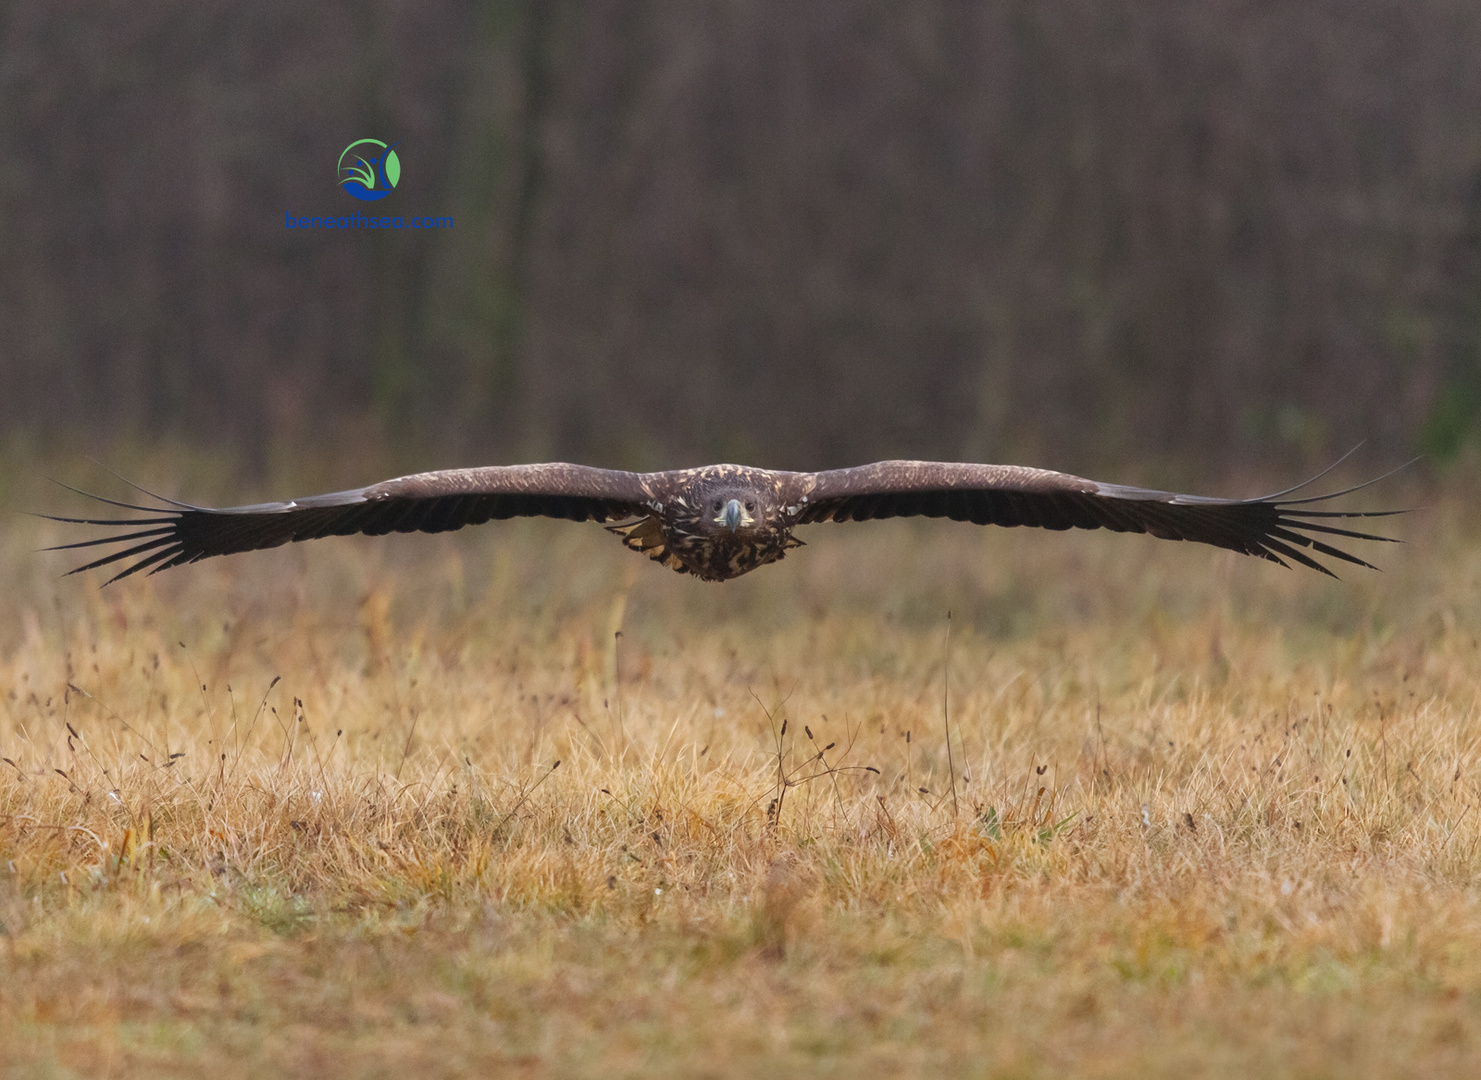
(727, 506)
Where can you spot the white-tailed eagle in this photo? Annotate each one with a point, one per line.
(721, 521)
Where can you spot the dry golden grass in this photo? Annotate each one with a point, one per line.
(297, 813)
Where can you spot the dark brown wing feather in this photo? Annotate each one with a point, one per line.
(427, 502)
(1273, 528)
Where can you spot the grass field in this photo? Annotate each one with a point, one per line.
(299, 812)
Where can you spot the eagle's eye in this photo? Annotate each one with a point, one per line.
(750, 506)
(718, 506)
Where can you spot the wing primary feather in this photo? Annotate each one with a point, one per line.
(1272, 556)
(102, 521)
(115, 556)
(180, 559)
(141, 564)
(123, 539)
(1312, 526)
(1272, 544)
(145, 491)
(1345, 513)
(1319, 547)
(1308, 482)
(101, 499)
(1338, 494)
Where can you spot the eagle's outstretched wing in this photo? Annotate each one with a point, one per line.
(426, 502)
(1273, 527)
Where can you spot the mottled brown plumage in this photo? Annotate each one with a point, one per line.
(721, 521)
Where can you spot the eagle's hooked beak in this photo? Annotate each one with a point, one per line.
(733, 516)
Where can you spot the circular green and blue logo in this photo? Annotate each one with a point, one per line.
(371, 177)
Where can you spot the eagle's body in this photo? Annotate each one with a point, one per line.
(721, 521)
(685, 527)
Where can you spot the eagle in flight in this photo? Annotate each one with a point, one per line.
(721, 521)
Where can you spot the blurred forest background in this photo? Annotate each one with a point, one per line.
(1076, 232)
